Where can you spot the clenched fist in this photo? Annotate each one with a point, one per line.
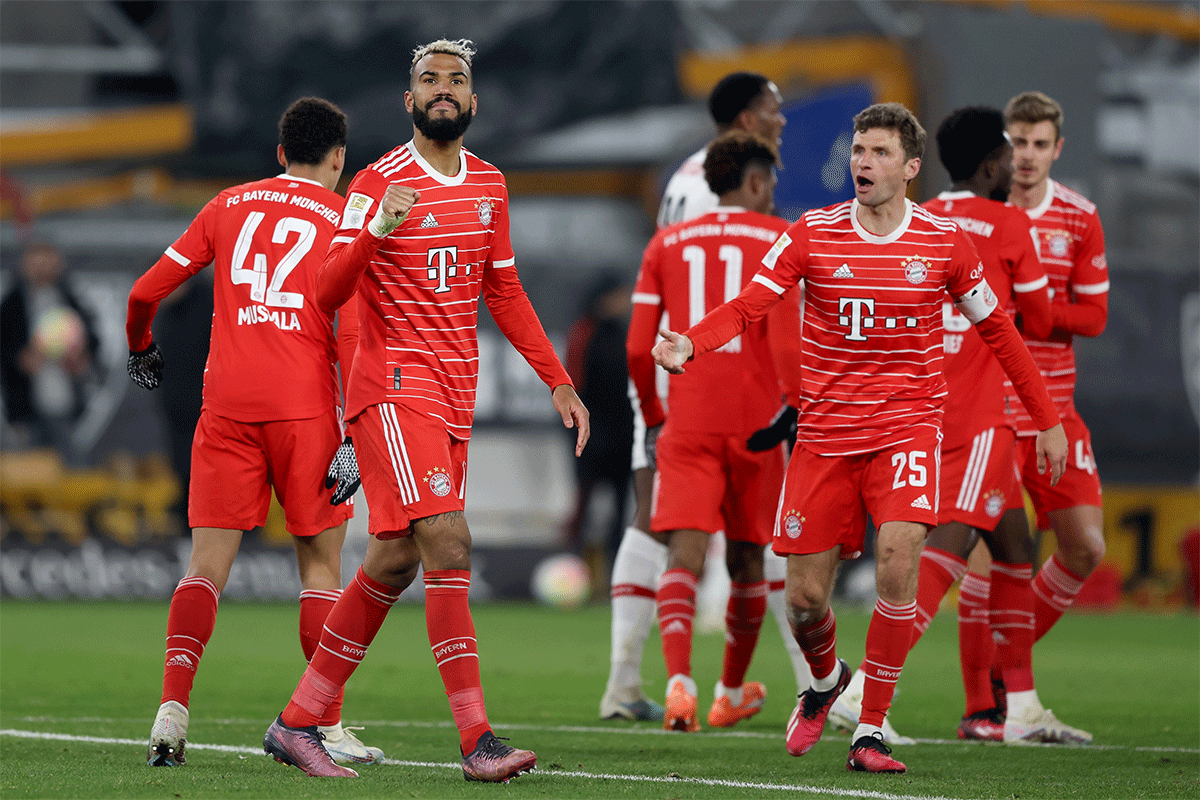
(394, 206)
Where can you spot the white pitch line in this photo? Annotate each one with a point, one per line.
(781, 787)
(632, 730)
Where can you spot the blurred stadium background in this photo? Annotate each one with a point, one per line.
(118, 120)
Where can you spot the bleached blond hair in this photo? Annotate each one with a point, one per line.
(463, 48)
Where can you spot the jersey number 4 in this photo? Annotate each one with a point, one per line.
(269, 291)
(695, 257)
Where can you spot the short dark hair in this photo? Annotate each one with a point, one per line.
(733, 94)
(731, 154)
(896, 117)
(1035, 107)
(967, 137)
(309, 129)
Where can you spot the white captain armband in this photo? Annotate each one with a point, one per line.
(977, 304)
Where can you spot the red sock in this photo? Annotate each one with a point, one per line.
(190, 624)
(1011, 617)
(676, 600)
(975, 647)
(889, 637)
(939, 571)
(1054, 591)
(819, 644)
(315, 605)
(452, 638)
(743, 620)
(349, 629)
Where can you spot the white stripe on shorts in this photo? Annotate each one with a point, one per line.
(972, 483)
(399, 454)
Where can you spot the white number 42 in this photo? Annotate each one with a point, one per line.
(261, 290)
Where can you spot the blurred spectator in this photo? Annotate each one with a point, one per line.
(48, 347)
(597, 365)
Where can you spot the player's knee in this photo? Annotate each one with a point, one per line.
(804, 609)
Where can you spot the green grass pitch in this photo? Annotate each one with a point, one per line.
(80, 682)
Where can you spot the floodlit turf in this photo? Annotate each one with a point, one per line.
(75, 670)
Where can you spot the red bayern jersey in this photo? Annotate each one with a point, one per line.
(272, 352)
(1007, 247)
(687, 270)
(1071, 245)
(418, 299)
(871, 340)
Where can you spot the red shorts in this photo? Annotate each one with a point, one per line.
(826, 499)
(711, 482)
(411, 467)
(980, 480)
(1080, 483)
(235, 464)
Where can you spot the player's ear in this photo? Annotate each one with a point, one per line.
(1058, 147)
(911, 168)
(474, 105)
(280, 156)
(408, 102)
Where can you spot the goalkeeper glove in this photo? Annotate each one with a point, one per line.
(781, 428)
(343, 473)
(652, 444)
(146, 366)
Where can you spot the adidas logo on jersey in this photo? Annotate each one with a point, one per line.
(429, 221)
(843, 272)
(922, 502)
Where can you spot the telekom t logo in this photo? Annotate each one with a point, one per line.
(442, 262)
(856, 320)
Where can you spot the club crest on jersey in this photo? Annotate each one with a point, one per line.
(1058, 242)
(484, 207)
(439, 481)
(793, 524)
(916, 270)
(993, 503)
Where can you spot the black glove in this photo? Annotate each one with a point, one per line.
(146, 366)
(652, 444)
(343, 473)
(781, 428)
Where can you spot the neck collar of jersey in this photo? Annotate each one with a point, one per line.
(445, 180)
(961, 194)
(1041, 207)
(871, 238)
(288, 177)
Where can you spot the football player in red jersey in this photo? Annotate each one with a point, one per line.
(269, 385)
(707, 480)
(871, 394)
(1071, 243)
(425, 232)
(741, 101)
(978, 480)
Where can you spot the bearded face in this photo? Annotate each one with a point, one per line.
(434, 120)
